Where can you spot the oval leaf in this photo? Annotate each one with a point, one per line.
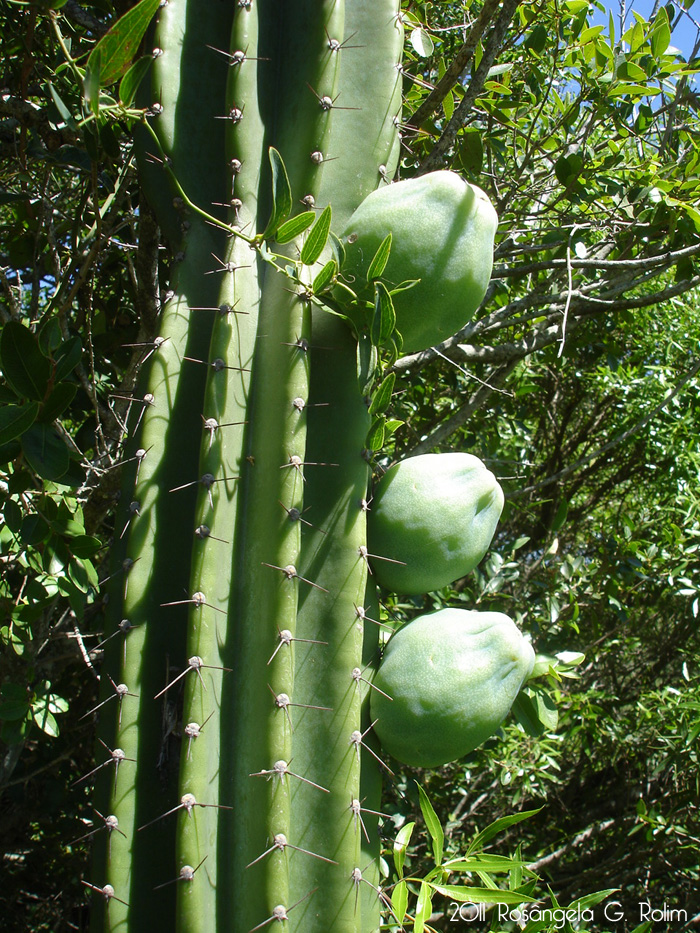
(45, 452)
(16, 419)
(23, 364)
(384, 319)
(422, 43)
(382, 397)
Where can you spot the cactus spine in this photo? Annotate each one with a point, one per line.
(246, 588)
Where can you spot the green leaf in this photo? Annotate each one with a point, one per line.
(424, 907)
(130, 83)
(23, 364)
(292, 228)
(63, 111)
(117, 47)
(325, 277)
(384, 319)
(281, 196)
(45, 452)
(399, 900)
(661, 36)
(12, 513)
(85, 546)
(381, 257)
(16, 419)
(91, 81)
(466, 893)
(375, 436)
(45, 719)
(494, 828)
(590, 900)
(403, 837)
(317, 238)
(382, 397)
(392, 424)
(483, 863)
(470, 150)
(67, 357)
(58, 401)
(366, 362)
(422, 44)
(34, 530)
(524, 710)
(433, 824)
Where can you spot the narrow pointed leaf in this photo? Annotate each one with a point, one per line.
(380, 259)
(483, 863)
(424, 908)
(465, 893)
(403, 837)
(494, 828)
(433, 824)
(291, 229)
(129, 84)
(281, 195)
(63, 110)
(317, 238)
(91, 81)
(382, 397)
(116, 48)
(375, 436)
(384, 319)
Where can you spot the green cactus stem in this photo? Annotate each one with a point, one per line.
(246, 597)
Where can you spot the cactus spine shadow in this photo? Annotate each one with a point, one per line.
(235, 617)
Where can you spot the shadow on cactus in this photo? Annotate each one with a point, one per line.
(241, 633)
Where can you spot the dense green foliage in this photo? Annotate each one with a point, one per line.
(576, 382)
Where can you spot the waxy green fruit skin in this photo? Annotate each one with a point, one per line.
(443, 232)
(453, 676)
(436, 514)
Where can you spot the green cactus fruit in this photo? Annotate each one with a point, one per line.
(443, 231)
(452, 676)
(432, 520)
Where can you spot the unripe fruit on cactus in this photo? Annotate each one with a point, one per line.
(436, 514)
(452, 676)
(442, 230)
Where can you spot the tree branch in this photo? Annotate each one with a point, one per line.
(436, 157)
(458, 65)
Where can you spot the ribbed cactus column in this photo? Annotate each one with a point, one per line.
(367, 137)
(155, 531)
(247, 590)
